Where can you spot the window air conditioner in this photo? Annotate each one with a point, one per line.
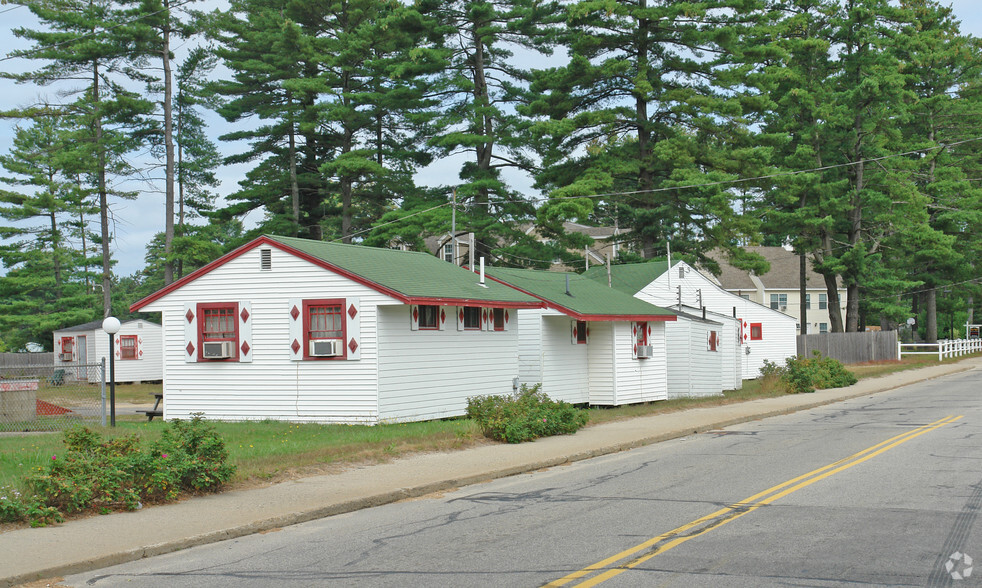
(216, 350)
(325, 348)
(644, 352)
(65, 356)
(784, 308)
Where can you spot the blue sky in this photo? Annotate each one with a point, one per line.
(135, 222)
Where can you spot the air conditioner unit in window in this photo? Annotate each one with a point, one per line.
(644, 352)
(65, 356)
(784, 308)
(217, 349)
(325, 348)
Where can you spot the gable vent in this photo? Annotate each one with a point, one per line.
(265, 259)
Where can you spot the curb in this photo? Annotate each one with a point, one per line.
(391, 496)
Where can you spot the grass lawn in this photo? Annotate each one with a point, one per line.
(269, 451)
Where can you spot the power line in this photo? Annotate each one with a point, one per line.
(398, 220)
(767, 177)
(15, 7)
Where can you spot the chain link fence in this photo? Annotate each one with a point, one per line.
(51, 398)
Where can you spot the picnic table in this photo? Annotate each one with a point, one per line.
(157, 410)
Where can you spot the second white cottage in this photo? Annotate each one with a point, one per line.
(765, 334)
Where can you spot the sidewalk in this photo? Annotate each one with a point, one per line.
(100, 541)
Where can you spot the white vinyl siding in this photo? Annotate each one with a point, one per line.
(271, 387)
(429, 374)
(530, 346)
(148, 368)
(639, 380)
(779, 329)
(565, 371)
(601, 363)
(693, 370)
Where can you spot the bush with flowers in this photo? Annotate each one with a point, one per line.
(524, 416)
(108, 475)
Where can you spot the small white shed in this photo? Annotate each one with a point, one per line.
(765, 334)
(307, 331)
(695, 358)
(138, 347)
(590, 344)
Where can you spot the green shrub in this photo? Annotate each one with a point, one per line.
(804, 374)
(524, 416)
(117, 474)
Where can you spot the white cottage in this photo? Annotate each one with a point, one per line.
(589, 344)
(695, 356)
(138, 347)
(307, 331)
(765, 334)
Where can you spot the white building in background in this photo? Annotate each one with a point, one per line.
(138, 347)
(779, 288)
(765, 334)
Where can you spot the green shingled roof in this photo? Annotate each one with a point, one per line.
(417, 276)
(589, 300)
(629, 277)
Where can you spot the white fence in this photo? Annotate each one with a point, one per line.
(942, 349)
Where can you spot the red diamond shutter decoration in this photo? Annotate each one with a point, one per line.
(245, 315)
(352, 329)
(245, 348)
(190, 333)
(295, 329)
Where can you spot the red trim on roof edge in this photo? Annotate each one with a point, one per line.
(591, 317)
(264, 240)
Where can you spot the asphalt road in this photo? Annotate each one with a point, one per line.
(882, 490)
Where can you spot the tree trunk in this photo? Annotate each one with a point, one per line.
(107, 306)
(347, 182)
(645, 177)
(169, 153)
(931, 310)
(802, 292)
(294, 186)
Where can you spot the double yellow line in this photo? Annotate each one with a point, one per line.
(610, 567)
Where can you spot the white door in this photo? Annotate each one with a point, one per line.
(83, 358)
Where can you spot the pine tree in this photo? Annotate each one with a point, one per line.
(938, 59)
(648, 102)
(479, 88)
(90, 41)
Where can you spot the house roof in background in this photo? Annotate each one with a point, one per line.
(588, 300)
(412, 277)
(630, 278)
(97, 325)
(783, 274)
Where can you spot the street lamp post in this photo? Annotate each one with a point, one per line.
(111, 326)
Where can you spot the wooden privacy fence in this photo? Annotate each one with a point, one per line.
(22, 359)
(943, 349)
(851, 347)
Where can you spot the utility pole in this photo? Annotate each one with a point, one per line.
(453, 226)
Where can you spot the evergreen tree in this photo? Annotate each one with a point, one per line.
(649, 101)
(478, 89)
(938, 59)
(90, 41)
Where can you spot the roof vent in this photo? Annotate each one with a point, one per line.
(266, 259)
